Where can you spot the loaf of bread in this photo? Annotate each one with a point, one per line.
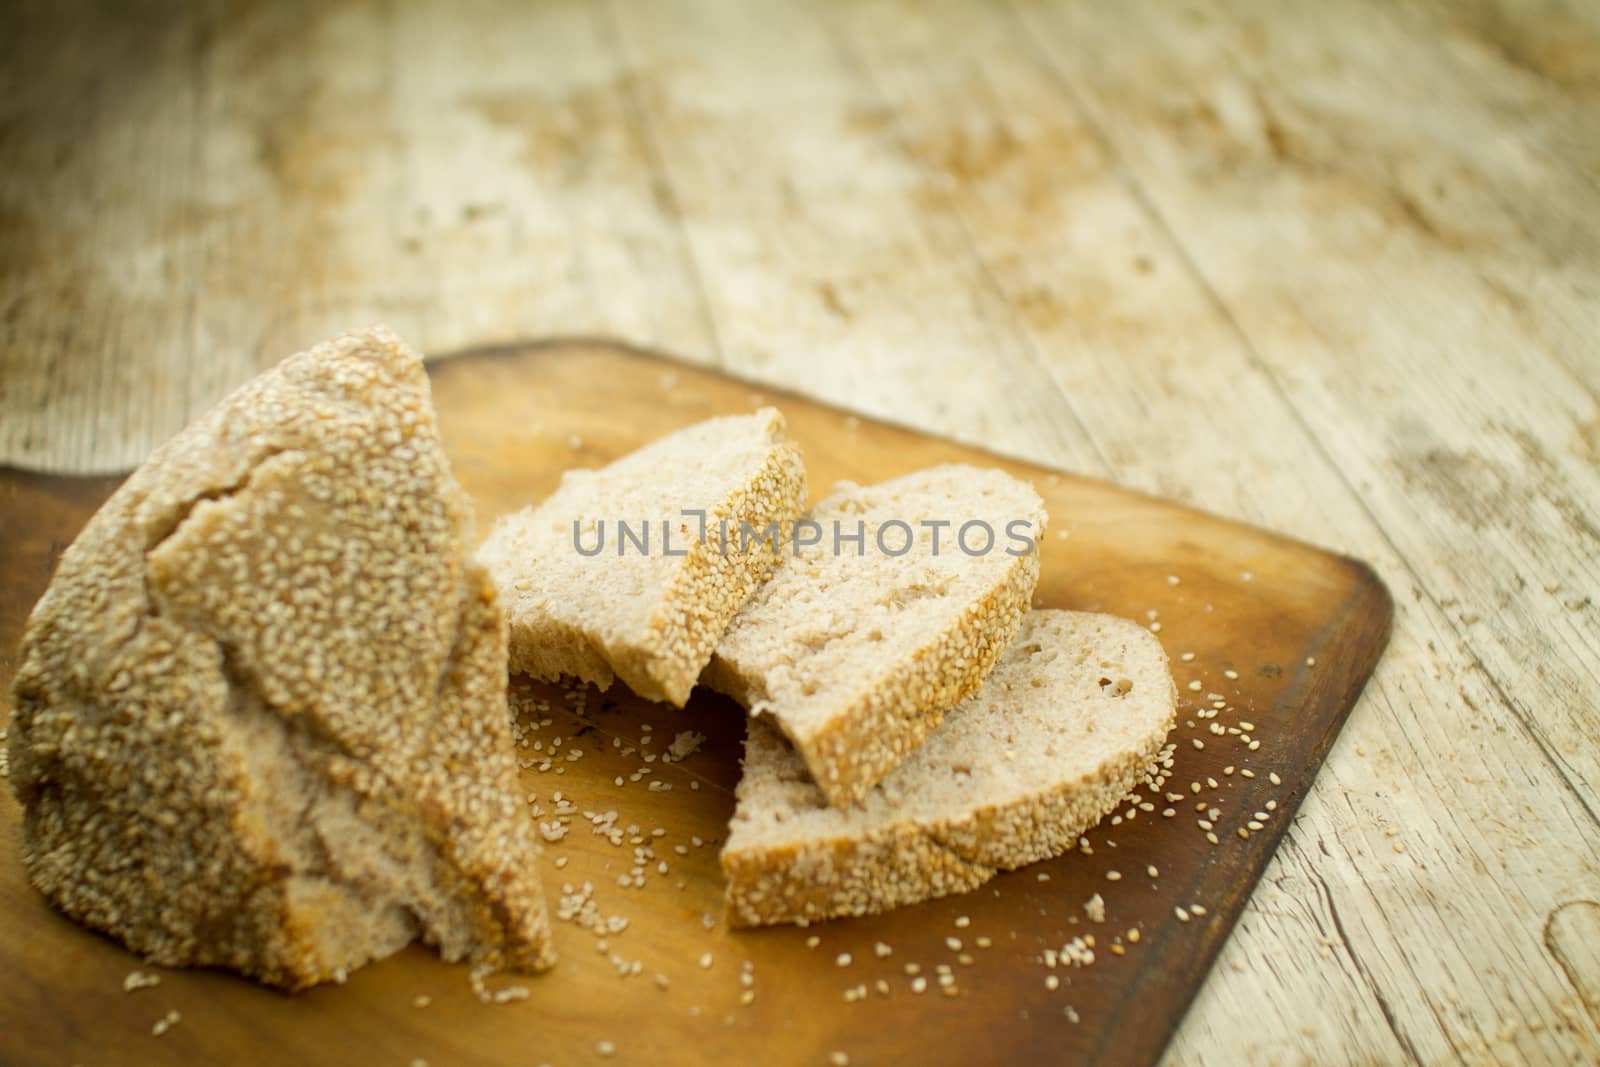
(589, 600)
(854, 649)
(1066, 725)
(260, 718)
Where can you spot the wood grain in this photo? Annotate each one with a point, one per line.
(1324, 268)
(1298, 628)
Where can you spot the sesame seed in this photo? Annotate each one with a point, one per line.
(843, 959)
(1133, 935)
(1311, 661)
(919, 985)
(606, 1048)
(705, 961)
(882, 951)
(1051, 982)
(1152, 872)
(953, 944)
(421, 1000)
(1194, 687)
(813, 941)
(839, 1059)
(963, 921)
(1198, 744)
(1187, 657)
(1183, 916)
(1113, 876)
(1272, 776)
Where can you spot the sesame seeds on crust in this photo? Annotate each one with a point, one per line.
(649, 616)
(961, 808)
(260, 714)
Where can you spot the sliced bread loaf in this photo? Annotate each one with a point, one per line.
(260, 717)
(651, 603)
(1066, 725)
(855, 648)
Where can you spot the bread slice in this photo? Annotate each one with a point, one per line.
(856, 657)
(260, 720)
(1067, 724)
(647, 611)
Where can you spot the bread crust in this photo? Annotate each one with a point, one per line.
(260, 720)
(874, 732)
(908, 859)
(570, 632)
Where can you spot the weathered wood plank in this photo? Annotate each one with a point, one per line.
(188, 197)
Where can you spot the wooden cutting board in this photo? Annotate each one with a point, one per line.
(1283, 634)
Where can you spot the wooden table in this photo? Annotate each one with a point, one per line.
(1334, 270)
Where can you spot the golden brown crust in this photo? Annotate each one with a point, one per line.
(853, 751)
(260, 714)
(713, 585)
(585, 619)
(907, 862)
(961, 808)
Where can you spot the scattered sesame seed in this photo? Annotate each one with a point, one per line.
(1051, 982)
(1133, 935)
(919, 985)
(421, 1000)
(953, 944)
(843, 959)
(1272, 776)
(1183, 916)
(1152, 872)
(705, 961)
(1113, 876)
(606, 1048)
(839, 1059)
(1194, 687)
(882, 951)
(963, 921)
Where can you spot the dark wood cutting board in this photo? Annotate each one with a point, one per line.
(1284, 634)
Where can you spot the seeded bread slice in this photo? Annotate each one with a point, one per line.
(1066, 725)
(260, 719)
(647, 609)
(855, 653)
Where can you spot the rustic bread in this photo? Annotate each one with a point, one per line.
(260, 720)
(637, 612)
(1065, 726)
(857, 657)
